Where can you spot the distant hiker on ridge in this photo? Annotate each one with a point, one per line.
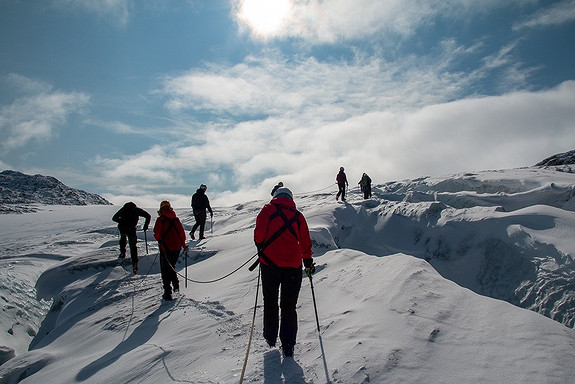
(127, 218)
(341, 179)
(278, 185)
(171, 237)
(200, 203)
(283, 241)
(365, 185)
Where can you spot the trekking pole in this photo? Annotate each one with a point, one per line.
(146, 239)
(251, 329)
(186, 268)
(211, 225)
(314, 304)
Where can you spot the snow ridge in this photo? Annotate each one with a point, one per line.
(21, 193)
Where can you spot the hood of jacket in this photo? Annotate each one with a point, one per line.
(283, 201)
(168, 212)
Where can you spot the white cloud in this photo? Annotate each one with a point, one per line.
(517, 129)
(320, 21)
(24, 85)
(36, 117)
(270, 85)
(557, 14)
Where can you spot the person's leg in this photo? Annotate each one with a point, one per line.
(132, 240)
(122, 243)
(202, 221)
(290, 287)
(270, 289)
(197, 217)
(173, 258)
(164, 269)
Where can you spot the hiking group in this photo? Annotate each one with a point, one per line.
(342, 184)
(168, 232)
(282, 239)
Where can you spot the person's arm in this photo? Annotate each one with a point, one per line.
(208, 206)
(117, 216)
(260, 231)
(146, 216)
(304, 239)
(158, 229)
(181, 234)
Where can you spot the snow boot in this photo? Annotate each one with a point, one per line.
(287, 350)
(135, 268)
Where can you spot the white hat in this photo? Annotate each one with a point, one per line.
(283, 191)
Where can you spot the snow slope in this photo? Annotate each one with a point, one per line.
(401, 289)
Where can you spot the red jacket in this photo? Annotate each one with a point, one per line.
(286, 250)
(341, 178)
(169, 232)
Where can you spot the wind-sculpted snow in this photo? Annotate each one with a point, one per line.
(404, 291)
(512, 246)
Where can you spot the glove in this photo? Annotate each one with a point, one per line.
(211, 214)
(186, 250)
(309, 267)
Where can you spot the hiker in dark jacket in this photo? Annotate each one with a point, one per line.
(200, 203)
(365, 184)
(283, 242)
(171, 237)
(341, 180)
(127, 218)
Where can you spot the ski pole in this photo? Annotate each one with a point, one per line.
(314, 304)
(146, 239)
(211, 225)
(186, 268)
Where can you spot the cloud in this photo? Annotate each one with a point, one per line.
(476, 133)
(268, 84)
(321, 22)
(557, 14)
(36, 117)
(24, 85)
(115, 126)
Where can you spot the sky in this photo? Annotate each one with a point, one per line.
(146, 100)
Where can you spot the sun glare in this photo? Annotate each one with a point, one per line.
(264, 17)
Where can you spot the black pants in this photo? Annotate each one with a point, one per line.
(130, 233)
(289, 281)
(341, 192)
(366, 191)
(200, 222)
(168, 262)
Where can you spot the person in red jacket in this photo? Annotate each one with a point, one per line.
(341, 179)
(283, 241)
(171, 237)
